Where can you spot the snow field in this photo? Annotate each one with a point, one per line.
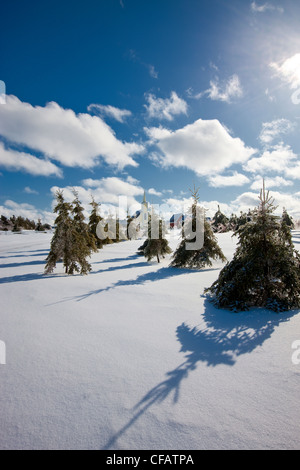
(133, 356)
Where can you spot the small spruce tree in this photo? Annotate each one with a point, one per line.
(17, 228)
(198, 258)
(70, 241)
(39, 226)
(286, 219)
(265, 269)
(61, 247)
(94, 220)
(220, 221)
(84, 242)
(156, 245)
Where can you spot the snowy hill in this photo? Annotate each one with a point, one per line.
(133, 356)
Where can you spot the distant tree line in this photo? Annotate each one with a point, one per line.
(220, 223)
(19, 223)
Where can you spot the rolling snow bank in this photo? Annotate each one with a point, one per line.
(133, 356)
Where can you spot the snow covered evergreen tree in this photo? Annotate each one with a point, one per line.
(200, 257)
(233, 221)
(286, 219)
(220, 221)
(71, 241)
(84, 242)
(156, 245)
(265, 269)
(16, 226)
(94, 219)
(62, 241)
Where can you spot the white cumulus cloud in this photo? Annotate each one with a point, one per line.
(225, 91)
(12, 160)
(275, 182)
(153, 192)
(75, 140)
(271, 130)
(165, 108)
(110, 111)
(10, 208)
(205, 147)
(289, 70)
(236, 179)
(280, 159)
(107, 192)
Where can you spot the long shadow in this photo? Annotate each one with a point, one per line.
(117, 268)
(28, 277)
(117, 260)
(27, 263)
(44, 253)
(153, 276)
(225, 337)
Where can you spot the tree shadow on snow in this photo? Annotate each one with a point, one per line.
(117, 260)
(153, 276)
(117, 268)
(223, 337)
(27, 263)
(43, 253)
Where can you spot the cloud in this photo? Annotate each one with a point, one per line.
(11, 208)
(275, 182)
(153, 192)
(132, 180)
(133, 56)
(250, 200)
(110, 111)
(75, 140)
(205, 147)
(272, 130)
(289, 70)
(244, 202)
(280, 159)
(105, 191)
(226, 91)
(2, 92)
(152, 72)
(165, 108)
(28, 190)
(255, 8)
(237, 179)
(183, 204)
(13, 160)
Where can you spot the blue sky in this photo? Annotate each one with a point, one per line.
(115, 97)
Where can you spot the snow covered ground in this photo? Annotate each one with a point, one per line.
(133, 356)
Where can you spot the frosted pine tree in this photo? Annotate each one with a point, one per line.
(199, 257)
(61, 248)
(84, 243)
(265, 269)
(94, 220)
(220, 221)
(156, 245)
(286, 219)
